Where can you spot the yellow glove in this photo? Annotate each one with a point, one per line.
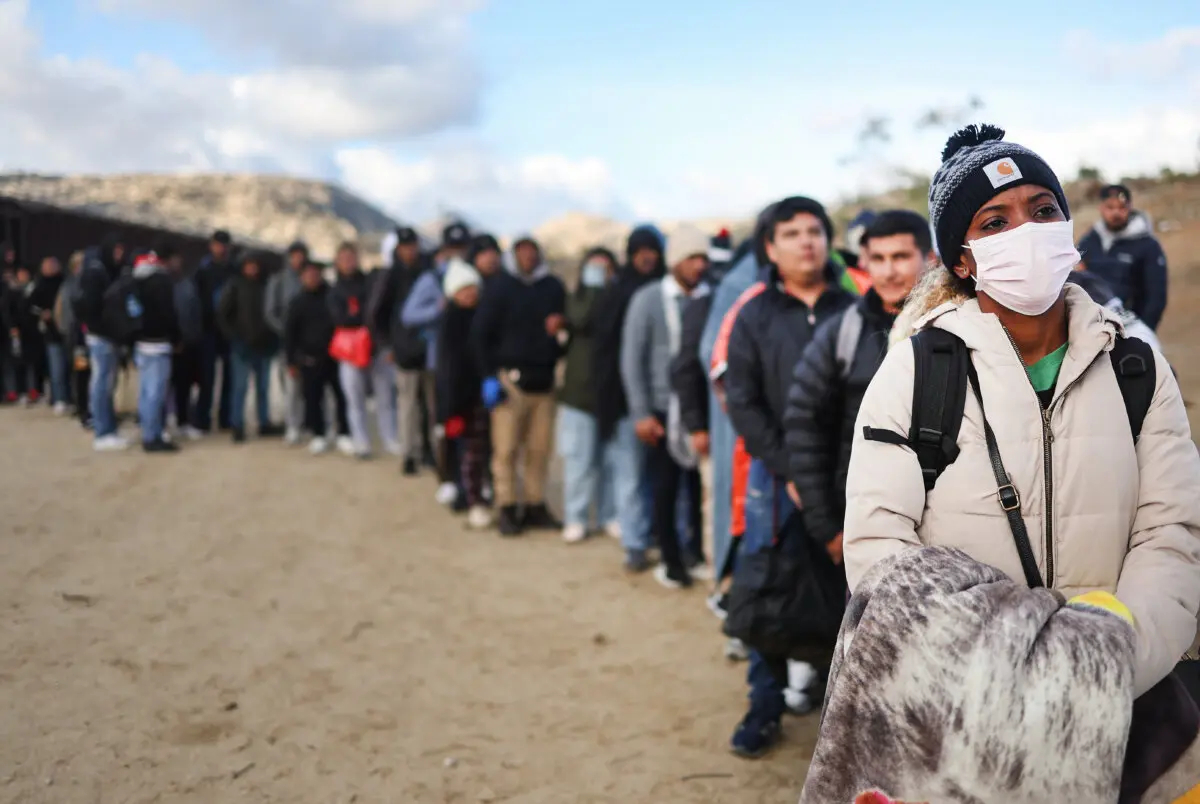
(1102, 601)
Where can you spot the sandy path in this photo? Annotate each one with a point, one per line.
(257, 625)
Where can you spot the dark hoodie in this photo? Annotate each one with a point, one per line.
(41, 299)
(457, 376)
(308, 328)
(388, 294)
(609, 318)
(348, 300)
(577, 389)
(211, 278)
(100, 269)
(241, 314)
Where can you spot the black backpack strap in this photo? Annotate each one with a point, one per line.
(940, 363)
(1133, 363)
(1006, 493)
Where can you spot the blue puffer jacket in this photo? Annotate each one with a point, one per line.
(1133, 263)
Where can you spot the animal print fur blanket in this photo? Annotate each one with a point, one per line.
(952, 683)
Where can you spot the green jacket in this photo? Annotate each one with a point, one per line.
(577, 389)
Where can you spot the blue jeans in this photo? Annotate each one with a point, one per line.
(246, 361)
(154, 378)
(56, 360)
(103, 355)
(768, 506)
(588, 470)
(723, 438)
(632, 494)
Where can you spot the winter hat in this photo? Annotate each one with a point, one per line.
(720, 248)
(687, 241)
(459, 275)
(857, 228)
(977, 165)
(645, 236)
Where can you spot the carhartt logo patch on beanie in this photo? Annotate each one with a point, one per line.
(978, 165)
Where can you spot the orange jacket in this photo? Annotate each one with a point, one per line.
(741, 458)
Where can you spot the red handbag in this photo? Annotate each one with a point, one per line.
(351, 345)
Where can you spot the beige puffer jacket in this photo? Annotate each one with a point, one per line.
(1122, 520)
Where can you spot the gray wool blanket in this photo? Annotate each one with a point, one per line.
(952, 683)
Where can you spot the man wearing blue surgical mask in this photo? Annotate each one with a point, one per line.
(588, 469)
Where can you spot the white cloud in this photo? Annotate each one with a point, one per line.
(508, 195)
(1177, 49)
(338, 73)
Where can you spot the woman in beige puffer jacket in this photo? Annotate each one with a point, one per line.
(1108, 514)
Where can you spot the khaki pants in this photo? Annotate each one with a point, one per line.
(522, 423)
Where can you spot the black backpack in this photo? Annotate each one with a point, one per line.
(940, 380)
(123, 312)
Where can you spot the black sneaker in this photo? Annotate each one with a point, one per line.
(538, 517)
(239, 435)
(410, 468)
(460, 506)
(158, 445)
(271, 431)
(508, 522)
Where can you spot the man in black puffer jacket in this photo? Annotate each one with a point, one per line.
(307, 331)
(157, 336)
(836, 368)
(766, 342)
(241, 316)
(101, 268)
(515, 340)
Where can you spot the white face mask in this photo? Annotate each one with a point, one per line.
(1024, 269)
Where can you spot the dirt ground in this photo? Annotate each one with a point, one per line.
(253, 624)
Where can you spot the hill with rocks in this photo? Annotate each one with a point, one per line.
(270, 210)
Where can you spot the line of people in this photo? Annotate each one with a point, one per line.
(703, 400)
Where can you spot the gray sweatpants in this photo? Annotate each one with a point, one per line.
(354, 385)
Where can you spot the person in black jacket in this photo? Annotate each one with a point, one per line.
(241, 317)
(645, 263)
(515, 341)
(215, 270)
(1121, 249)
(42, 300)
(308, 329)
(460, 409)
(768, 337)
(835, 370)
(401, 351)
(21, 324)
(153, 346)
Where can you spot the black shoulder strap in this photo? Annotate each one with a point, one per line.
(1006, 493)
(939, 396)
(940, 363)
(1133, 363)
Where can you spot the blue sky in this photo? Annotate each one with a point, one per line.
(518, 110)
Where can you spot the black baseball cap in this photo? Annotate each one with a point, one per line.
(1116, 191)
(456, 235)
(406, 235)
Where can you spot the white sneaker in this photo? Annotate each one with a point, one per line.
(23, 401)
(479, 517)
(701, 572)
(345, 445)
(613, 529)
(317, 446)
(447, 493)
(393, 448)
(110, 443)
(665, 580)
(60, 408)
(192, 433)
(166, 436)
(291, 437)
(573, 534)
